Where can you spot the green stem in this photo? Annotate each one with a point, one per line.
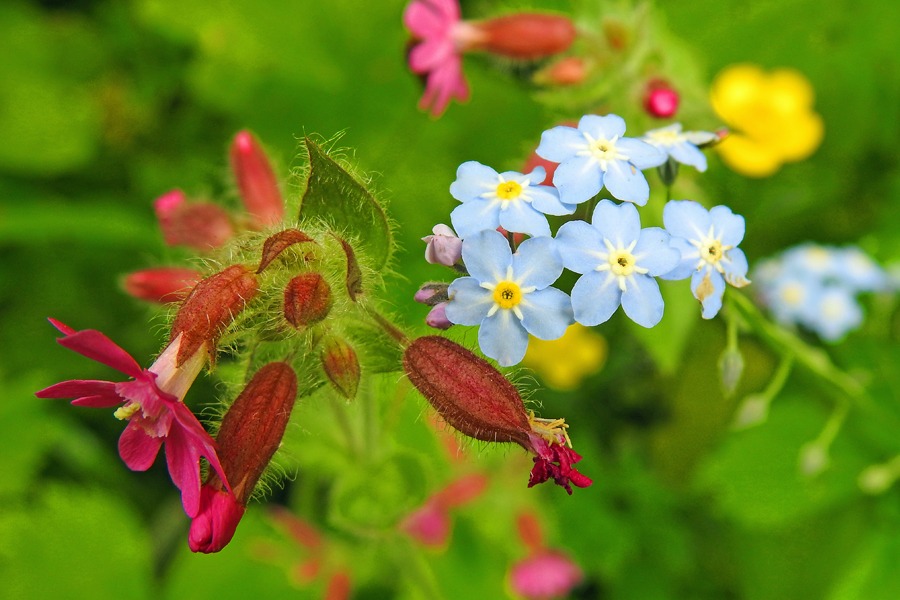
(350, 437)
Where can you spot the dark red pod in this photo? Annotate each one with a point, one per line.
(307, 300)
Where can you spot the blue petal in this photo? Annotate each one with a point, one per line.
(728, 227)
(560, 143)
(537, 263)
(595, 297)
(503, 338)
(545, 199)
(578, 244)
(578, 179)
(487, 256)
(625, 182)
(686, 219)
(654, 252)
(642, 301)
(641, 154)
(708, 286)
(619, 223)
(546, 313)
(687, 264)
(606, 127)
(537, 175)
(474, 217)
(688, 154)
(521, 217)
(735, 267)
(472, 180)
(469, 302)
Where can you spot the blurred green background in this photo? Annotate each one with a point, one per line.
(105, 105)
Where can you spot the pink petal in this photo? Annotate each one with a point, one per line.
(96, 346)
(430, 55)
(138, 449)
(444, 83)
(87, 392)
(214, 525)
(427, 18)
(183, 461)
(203, 443)
(546, 574)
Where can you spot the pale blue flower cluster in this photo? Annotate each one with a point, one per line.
(508, 289)
(817, 287)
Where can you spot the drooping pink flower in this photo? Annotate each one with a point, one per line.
(198, 225)
(151, 402)
(256, 180)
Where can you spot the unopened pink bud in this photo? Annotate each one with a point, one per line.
(161, 284)
(527, 36)
(211, 307)
(437, 317)
(214, 526)
(660, 99)
(432, 293)
(256, 180)
(199, 225)
(443, 247)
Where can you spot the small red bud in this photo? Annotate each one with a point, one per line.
(210, 308)
(161, 284)
(571, 70)
(256, 180)
(276, 244)
(199, 225)
(307, 300)
(660, 99)
(526, 36)
(341, 366)
(470, 394)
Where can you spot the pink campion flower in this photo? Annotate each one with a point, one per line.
(544, 573)
(443, 37)
(161, 284)
(151, 402)
(430, 524)
(256, 180)
(198, 225)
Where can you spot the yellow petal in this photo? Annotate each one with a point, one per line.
(734, 89)
(748, 157)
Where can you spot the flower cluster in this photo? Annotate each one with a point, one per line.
(507, 289)
(818, 286)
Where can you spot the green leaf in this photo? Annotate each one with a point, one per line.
(337, 197)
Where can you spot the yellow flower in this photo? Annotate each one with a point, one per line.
(564, 362)
(771, 115)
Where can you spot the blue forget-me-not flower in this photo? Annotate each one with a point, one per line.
(707, 240)
(596, 155)
(618, 261)
(510, 200)
(508, 294)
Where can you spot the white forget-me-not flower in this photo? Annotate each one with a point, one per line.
(707, 240)
(680, 146)
(511, 200)
(508, 294)
(596, 155)
(618, 261)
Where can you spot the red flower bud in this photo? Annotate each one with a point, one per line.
(470, 394)
(307, 300)
(526, 36)
(276, 244)
(161, 284)
(477, 400)
(210, 308)
(660, 99)
(256, 180)
(571, 70)
(250, 433)
(341, 366)
(200, 225)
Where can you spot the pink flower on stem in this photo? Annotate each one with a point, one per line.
(443, 37)
(198, 225)
(151, 402)
(161, 284)
(256, 180)
(430, 524)
(543, 574)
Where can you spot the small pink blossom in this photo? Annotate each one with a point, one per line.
(198, 225)
(151, 402)
(544, 575)
(161, 284)
(218, 518)
(443, 247)
(555, 461)
(256, 180)
(430, 524)
(437, 24)
(437, 317)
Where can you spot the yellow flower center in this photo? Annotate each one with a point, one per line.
(621, 262)
(507, 294)
(711, 251)
(508, 190)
